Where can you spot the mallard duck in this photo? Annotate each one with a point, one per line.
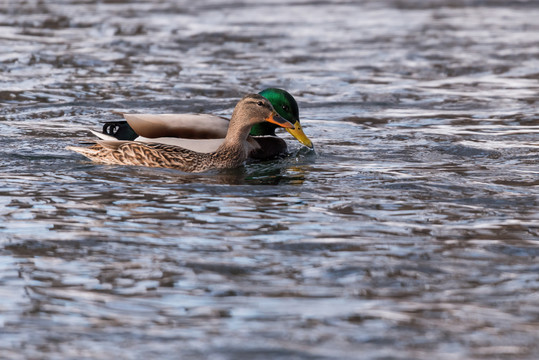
(252, 109)
(205, 133)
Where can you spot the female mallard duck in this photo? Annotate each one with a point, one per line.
(251, 110)
(205, 133)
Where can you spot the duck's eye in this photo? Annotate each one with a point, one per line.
(286, 108)
(260, 103)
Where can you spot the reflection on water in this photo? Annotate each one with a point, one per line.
(411, 233)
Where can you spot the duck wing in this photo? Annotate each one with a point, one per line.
(188, 126)
(197, 145)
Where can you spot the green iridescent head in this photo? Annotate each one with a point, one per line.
(287, 107)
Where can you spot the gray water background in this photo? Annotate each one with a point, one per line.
(411, 233)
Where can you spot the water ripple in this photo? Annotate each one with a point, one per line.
(410, 233)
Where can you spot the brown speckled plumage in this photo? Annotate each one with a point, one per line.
(232, 153)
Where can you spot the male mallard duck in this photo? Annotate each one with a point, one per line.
(252, 109)
(205, 133)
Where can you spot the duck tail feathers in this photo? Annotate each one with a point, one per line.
(103, 136)
(88, 152)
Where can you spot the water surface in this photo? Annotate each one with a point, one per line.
(411, 233)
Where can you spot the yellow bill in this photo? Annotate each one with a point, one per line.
(298, 133)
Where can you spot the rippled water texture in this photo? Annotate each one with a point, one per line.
(412, 233)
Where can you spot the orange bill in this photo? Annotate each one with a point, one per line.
(276, 119)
